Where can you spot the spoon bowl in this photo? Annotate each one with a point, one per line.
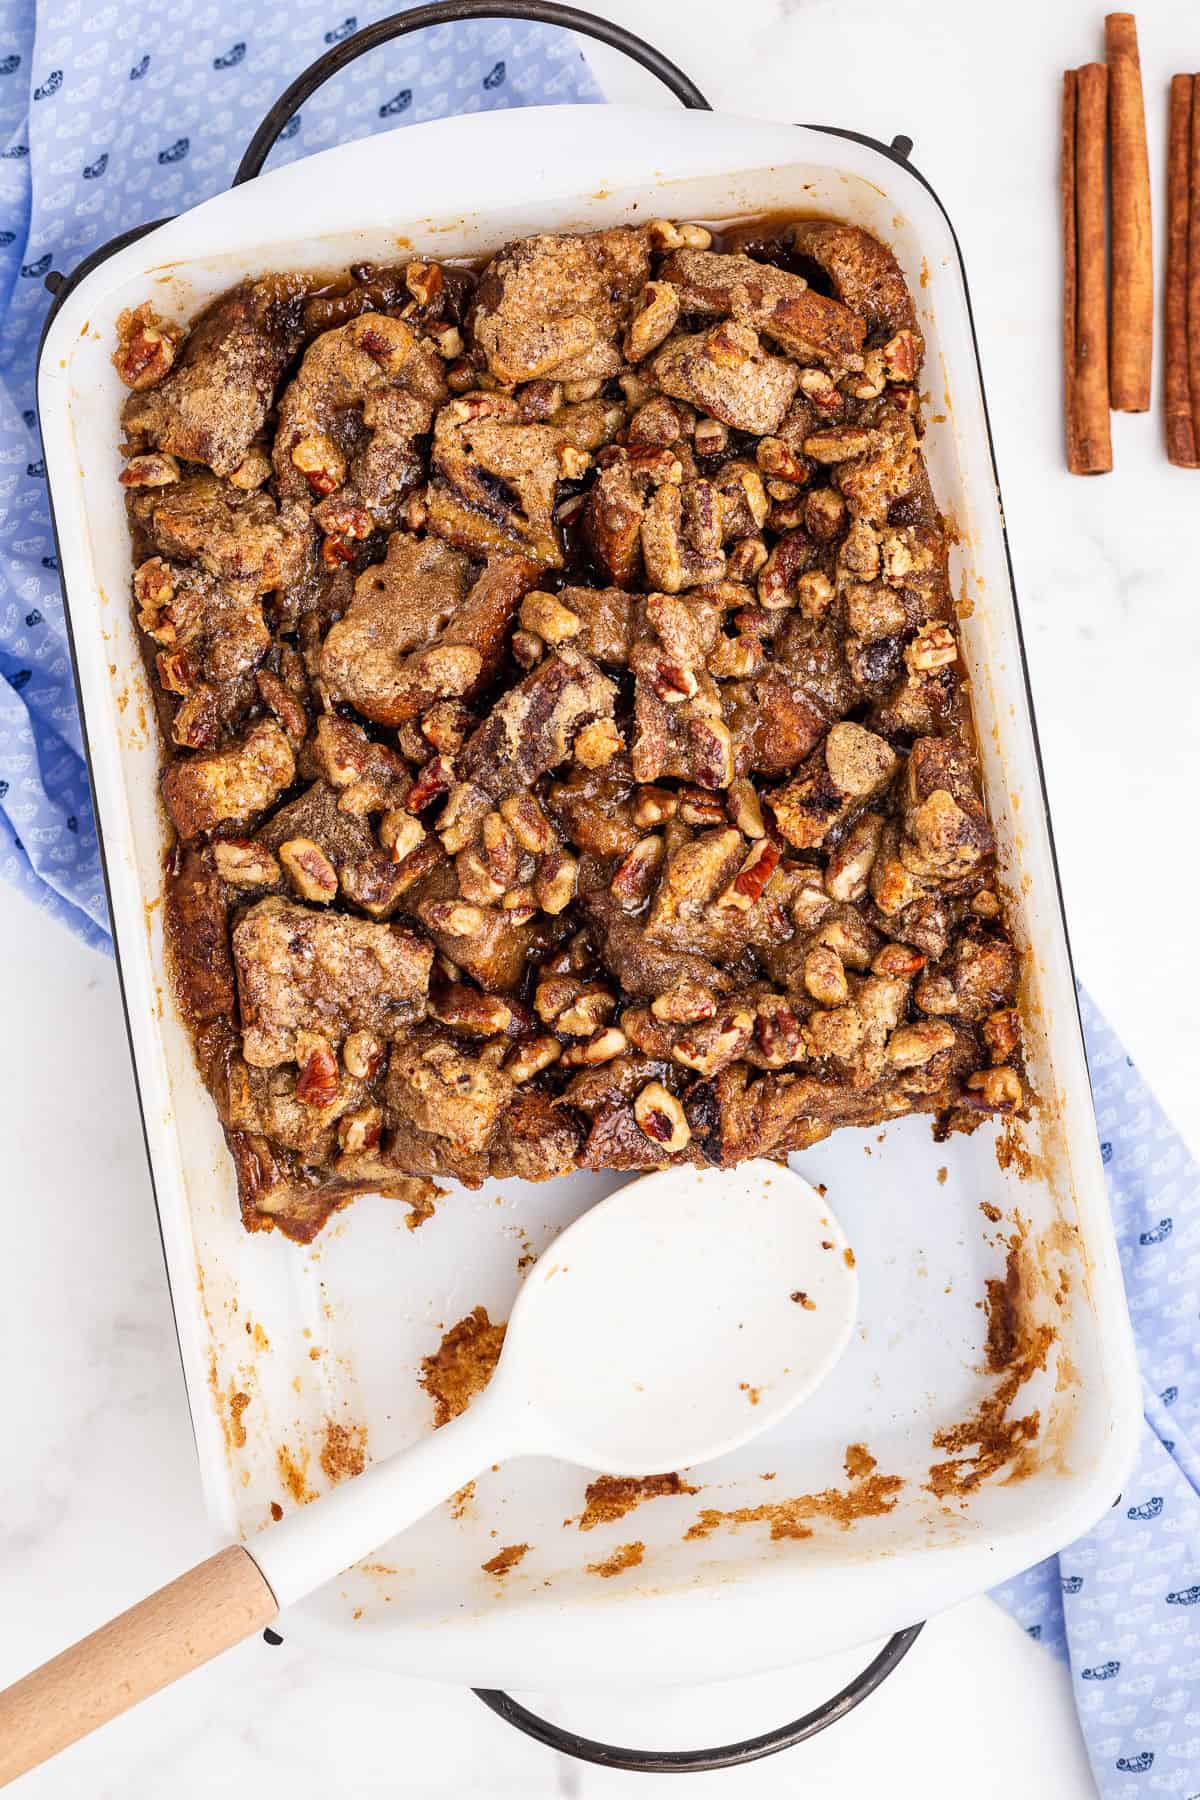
(680, 1317)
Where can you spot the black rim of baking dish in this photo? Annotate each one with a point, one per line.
(548, 12)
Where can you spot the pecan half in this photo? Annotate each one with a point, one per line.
(317, 1084)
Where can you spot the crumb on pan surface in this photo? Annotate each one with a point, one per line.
(567, 741)
(462, 1364)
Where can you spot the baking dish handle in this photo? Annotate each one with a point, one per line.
(726, 1756)
(450, 12)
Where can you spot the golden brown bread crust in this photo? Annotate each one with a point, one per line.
(568, 744)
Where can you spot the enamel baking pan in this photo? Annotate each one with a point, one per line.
(300, 1362)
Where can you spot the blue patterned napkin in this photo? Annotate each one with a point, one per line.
(109, 116)
(1123, 1604)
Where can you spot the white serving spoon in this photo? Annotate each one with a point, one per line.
(677, 1319)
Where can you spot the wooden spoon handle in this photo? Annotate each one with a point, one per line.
(184, 1624)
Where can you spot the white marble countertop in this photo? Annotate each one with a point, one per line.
(101, 1498)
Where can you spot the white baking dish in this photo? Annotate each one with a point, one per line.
(337, 1332)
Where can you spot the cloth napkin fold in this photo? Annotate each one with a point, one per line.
(112, 116)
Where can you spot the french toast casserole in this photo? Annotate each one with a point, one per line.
(567, 746)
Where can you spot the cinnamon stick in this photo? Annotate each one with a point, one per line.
(1193, 263)
(1089, 439)
(1181, 436)
(1070, 294)
(1132, 259)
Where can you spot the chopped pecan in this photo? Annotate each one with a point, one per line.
(698, 808)
(464, 813)
(748, 884)
(175, 671)
(284, 704)
(197, 722)
(778, 1033)
(710, 438)
(155, 469)
(712, 1047)
(434, 779)
(901, 357)
(661, 1118)
(309, 870)
(824, 514)
(591, 1008)
(529, 824)
(360, 1129)
(848, 871)
(1001, 1032)
(530, 1057)
(555, 882)
(455, 917)
(465, 1009)
(776, 458)
(145, 350)
(655, 319)
(527, 648)
(745, 808)
(501, 852)
(605, 1047)
(244, 864)
(549, 618)
(635, 873)
(476, 882)
(684, 1004)
(552, 994)
(745, 560)
(824, 976)
(711, 745)
(362, 1054)
(911, 1046)
(320, 462)
(839, 444)
(447, 725)
(665, 235)
(994, 1090)
(932, 648)
(897, 960)
(672, 683)
(597, 744)
(653, 806)
(424, 281)
(777, 581)
(335, 551)
(520, 904)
